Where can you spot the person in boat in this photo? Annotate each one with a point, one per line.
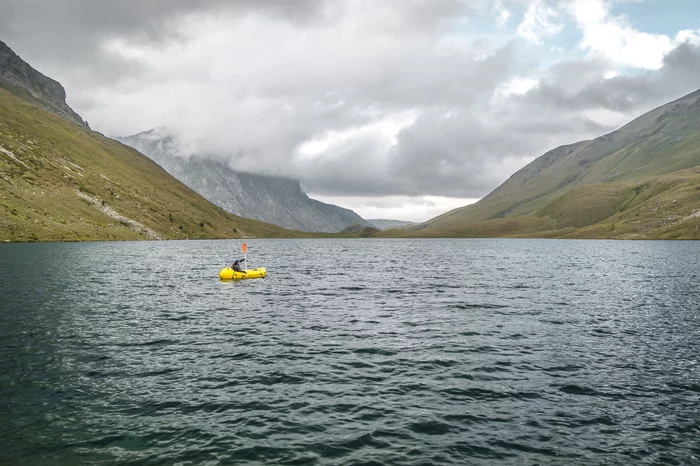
(237, 265)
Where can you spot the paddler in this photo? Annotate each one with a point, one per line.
(237, 265)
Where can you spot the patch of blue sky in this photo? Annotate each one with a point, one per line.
(563, 46)
(659, 16)
(484, 26)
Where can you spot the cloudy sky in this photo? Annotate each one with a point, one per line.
(396, 109)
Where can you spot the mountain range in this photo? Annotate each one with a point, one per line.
(61, 181)
(277, 200)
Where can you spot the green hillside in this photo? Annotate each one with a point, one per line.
(640, 181)
(358, 229)
(60, 181)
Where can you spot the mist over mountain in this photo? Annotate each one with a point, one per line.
(277, 200)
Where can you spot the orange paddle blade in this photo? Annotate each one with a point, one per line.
(245, 249)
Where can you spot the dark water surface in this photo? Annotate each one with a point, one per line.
(351, 352)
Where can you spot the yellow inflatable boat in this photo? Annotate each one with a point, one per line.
(229, 274)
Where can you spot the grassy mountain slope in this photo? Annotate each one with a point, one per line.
(61, 181)
(636, 182)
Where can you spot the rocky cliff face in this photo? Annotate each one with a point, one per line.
(25, 82)
(275, 200)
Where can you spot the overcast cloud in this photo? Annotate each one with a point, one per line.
(406, 109)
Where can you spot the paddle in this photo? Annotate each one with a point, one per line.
(245, 258)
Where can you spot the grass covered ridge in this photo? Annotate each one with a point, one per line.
(657, 207)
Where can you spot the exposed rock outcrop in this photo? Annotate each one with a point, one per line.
(21, 79)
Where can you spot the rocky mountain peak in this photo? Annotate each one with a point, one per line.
(18, 77)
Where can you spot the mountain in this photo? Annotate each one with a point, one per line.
(359, 229)
(383, 224)
(641, 181)
(18, 77)
(271, 199)
(60, 181)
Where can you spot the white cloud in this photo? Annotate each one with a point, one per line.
(502, 12)
(605, 117)
(688, 36)
(503, 17)
(385, 129)
(539, 22)
(614, 39)
(406, 208)
(518, 85)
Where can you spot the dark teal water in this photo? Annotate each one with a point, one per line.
(351, 352)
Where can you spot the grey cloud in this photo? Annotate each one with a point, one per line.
(451, 154)
(456, 155)
(70, 30)
(411, 77)
(574, 74)
(617, 94)
(88, 19)
(681, 70)
(348, 170)
(460, 156)
(631, 93)
(257, 133)
(421, 15)
(544, 124)
(65, 37)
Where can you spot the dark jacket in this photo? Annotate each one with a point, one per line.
(237, 265)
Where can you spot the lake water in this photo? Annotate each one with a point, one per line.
(351, 352)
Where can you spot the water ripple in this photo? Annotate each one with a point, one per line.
(495, 351)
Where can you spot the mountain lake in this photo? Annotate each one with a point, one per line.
(357, 351)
